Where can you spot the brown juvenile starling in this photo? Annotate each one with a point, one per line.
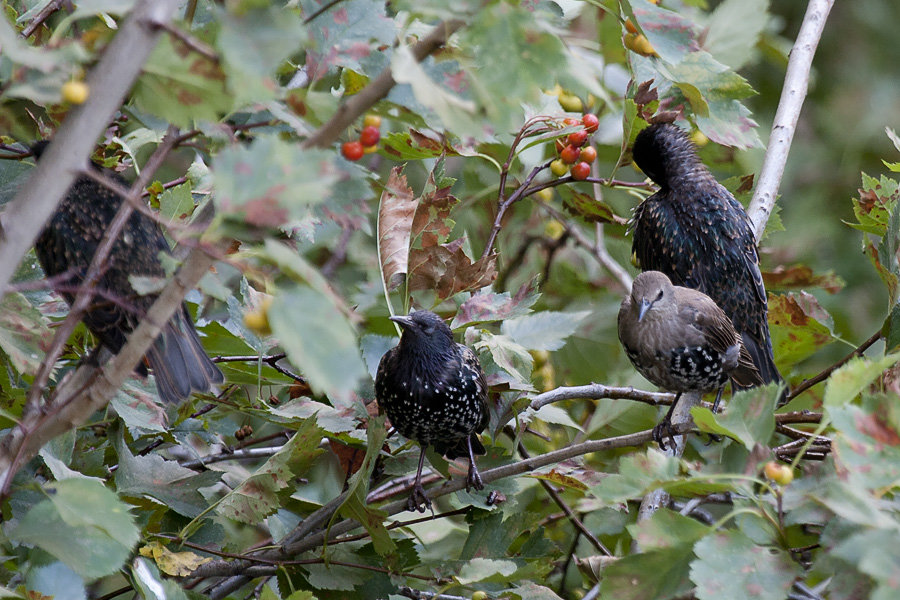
(66, 247)
(434, 392)
(681, 341)
(694, 231)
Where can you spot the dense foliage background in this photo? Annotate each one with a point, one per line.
(285, 484)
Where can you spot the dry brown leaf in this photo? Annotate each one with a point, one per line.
(395, 219)
(447, 270)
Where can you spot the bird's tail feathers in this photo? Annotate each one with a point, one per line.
(761, 353)
(179, 362)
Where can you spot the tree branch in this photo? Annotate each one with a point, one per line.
(377, 89)
(110, 80)
(796, 85)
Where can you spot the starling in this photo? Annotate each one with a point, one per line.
(695, 232)
(66, 247)
(434, 392)
(681, 341)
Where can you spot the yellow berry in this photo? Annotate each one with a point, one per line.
(553, 229)
(559, 168)
(544, 195)
(699, 138)
(371, 120)
(257, 319)
(571, 103)
(639, 43)
(780, 474)
(75, 92)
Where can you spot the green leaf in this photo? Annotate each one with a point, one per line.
(667, 529)
(252, 44)
(84, 525)
(271, 183)
(671, 34)
(55, 580)
(733, 29)
(799, 326)
(650, 575)
(638, 474)
(750, 417)
(486, 569)
(181, 86)
(319, 340)
(23, 333)
(848, 381)
(730, 565)
(545, 330)
(163, 480)
(259, 495)
(509, 356)
(355, 506)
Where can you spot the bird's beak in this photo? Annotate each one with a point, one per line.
(645, 306)
(403, 320)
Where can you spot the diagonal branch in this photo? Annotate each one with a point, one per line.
(110, 79)
(796, 85)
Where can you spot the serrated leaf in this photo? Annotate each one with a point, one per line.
(638, 473)
(82, 524)
(395, 219)
(485, 569)
(799, 326)
(749, 418)
(509, 356)
(802, 276)
(447, 270)
(545, 330)
(730, 565)
(181, 86)
(667, 529)
(733, 29)
(650, 575)
(258, 496)
(271, 183)
(252, 44)
(848, 381)
(487, 306)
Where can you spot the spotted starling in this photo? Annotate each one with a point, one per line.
(694, 231)
(681, 341)
(434, 392)
(65, 249)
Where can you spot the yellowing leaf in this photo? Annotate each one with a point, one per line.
(178, 564)
(395, 219)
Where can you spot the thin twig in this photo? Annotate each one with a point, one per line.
(191, 42)
(796, 85)
(596, 391)
(808, 383)
(43, 15)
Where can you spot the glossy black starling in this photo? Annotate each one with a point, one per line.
(434, 392)
(681, 341)
(694, 231)
(67, 244)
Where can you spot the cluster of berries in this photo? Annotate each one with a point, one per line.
(574, 156)
(368, 139)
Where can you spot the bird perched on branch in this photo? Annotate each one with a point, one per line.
(695, 232)
(681, 341)
(66, 247)
(434, 392)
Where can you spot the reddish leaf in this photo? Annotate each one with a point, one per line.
(447, 270)
(395, 219)
(488, 306)
(801, 276)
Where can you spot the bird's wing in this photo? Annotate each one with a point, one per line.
(707, 318)
(470, 362)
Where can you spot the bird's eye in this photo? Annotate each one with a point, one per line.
(659, 296)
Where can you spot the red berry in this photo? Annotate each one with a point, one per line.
(570, 121)
(591, 122)
(569, 154)
(369, 136)
(578, 138)
(352, 150)
(588, 154)
(580, 171)
(560, 144)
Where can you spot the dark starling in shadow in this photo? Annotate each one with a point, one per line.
(66, 247)
(695, 232)
(681, 341)
(434, 392)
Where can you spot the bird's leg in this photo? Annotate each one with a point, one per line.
(474, 477)
(665, 426)
(418, 499)
(712, 436)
